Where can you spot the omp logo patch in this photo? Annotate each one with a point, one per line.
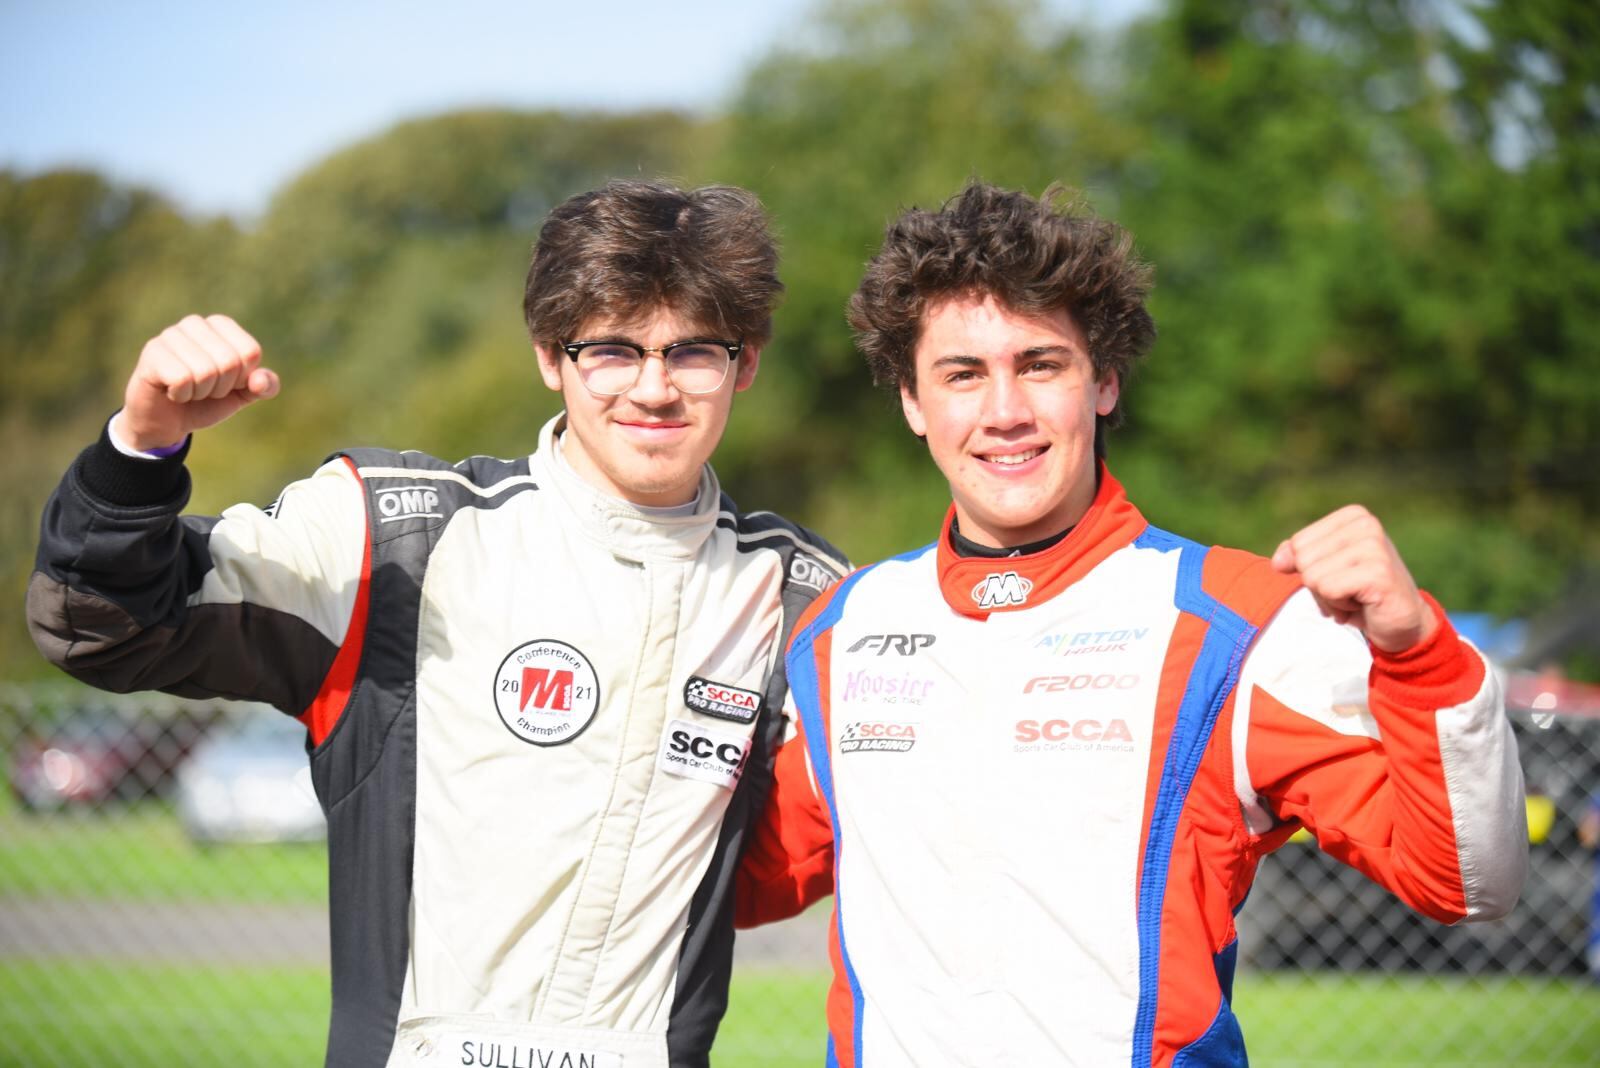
(1055, 735)
(408, 502)
(546, 692)
(720, 700)
(1002, 590)
(695, 751)
(804, 571)
(901, 644)
(877, 736)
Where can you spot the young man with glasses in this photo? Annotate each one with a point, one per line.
(1039, 759)
(537, 692)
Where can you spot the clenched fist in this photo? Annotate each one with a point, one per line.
(194, 374)
(1356, 575)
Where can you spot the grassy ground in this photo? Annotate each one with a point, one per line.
(1313, 1020)
(73, 1012)
(60, 1013)
(70, 1014)
(140, 853)
(774, 1019)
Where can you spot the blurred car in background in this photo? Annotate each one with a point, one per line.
(100, 755)
(250, 781)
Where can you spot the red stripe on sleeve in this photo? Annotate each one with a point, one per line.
(322, 715)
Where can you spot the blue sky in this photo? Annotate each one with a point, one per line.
(217, 103)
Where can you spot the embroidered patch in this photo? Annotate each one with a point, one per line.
(722, 701)
(1002, 589)
(399, 503)
(709, 754)
(546, 692)
(877, 736)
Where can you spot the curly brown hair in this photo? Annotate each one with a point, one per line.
(1033, 256)
(630, 246)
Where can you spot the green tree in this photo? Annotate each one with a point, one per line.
(1362, 294)
(84, 265)
(876, 107)
(1361, 299)
(385, 284)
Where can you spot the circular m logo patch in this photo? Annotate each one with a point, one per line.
(546, 692)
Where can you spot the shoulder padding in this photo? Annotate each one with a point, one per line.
(480, 471)
(1246, 583)
(809, 561)
(414, 493)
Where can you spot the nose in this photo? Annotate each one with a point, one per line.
(1005, 403)
(654, 388)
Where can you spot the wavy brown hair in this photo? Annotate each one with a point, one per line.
(622, 250)
(1033, 256)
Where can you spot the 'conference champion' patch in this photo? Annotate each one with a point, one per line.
(546, 692)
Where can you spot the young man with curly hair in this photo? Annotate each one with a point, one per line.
(535, 691)
(1038, 760)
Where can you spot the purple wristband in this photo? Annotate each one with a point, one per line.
(169, 450)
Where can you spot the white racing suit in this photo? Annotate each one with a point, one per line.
(539, 722)
(1039, 786)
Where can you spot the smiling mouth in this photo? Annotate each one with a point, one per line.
(1011, 459)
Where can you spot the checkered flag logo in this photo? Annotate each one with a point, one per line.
(721, 700)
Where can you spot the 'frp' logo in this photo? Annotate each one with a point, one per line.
(904, 644)
(1002, 590)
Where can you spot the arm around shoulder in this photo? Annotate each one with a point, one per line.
(789, 862)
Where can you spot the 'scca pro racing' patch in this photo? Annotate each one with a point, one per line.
(720, 700)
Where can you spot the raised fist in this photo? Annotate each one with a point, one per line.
(194, 374)
(1356, 575)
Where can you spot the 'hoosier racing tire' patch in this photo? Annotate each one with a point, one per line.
(720, 700)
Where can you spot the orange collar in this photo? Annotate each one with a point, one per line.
(976, 586)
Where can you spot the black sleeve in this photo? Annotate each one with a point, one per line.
(113, 597)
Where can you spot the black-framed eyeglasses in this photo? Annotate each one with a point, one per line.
(695, 366)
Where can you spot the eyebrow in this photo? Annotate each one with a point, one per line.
(624, 339)
(957, 361)
(1045, 350)
(962, 360)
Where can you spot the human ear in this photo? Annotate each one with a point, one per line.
(1108, 389)
(748, 362)
(550, 359)
(912, 410)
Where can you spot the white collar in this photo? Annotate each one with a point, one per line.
(626, 529)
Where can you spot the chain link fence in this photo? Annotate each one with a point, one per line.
(162, 885)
